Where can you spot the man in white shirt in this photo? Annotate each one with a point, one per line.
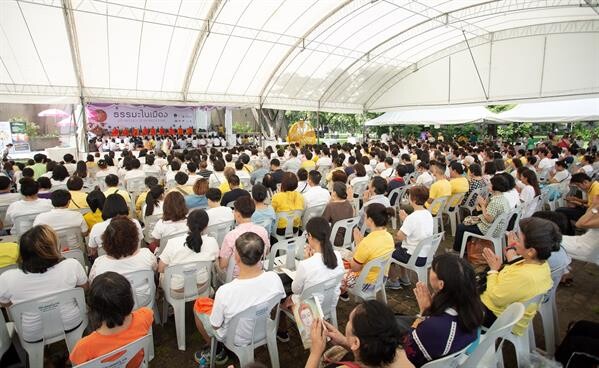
(294, 163)
(29, 204)
(251, 288)
(192, 167)
(69, 163)
(60, 218)
(389, 171)
(325, 159)
(135, 172)
(216, 212)
(315, 195)
(6, 197)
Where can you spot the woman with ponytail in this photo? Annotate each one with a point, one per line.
(320, 263)
(154, 200)
(191, 247)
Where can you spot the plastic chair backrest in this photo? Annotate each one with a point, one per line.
(23, 223)
(48, 308)
(434, 241)
(289, 217)
(136, 185)
(360, 187)
(439, 205)
(313, 211)
(5, 340)
(82, 211)
(70, 238)
(164, 240)
(257, 318)
(231, 205)
(324, 289)
(448, 361)
(76, 254)
(499, 225)
(377, 263)
(513, 218)
(501, 328)
(398, 194)
(348, 225)
(246, 183)
(6, 268)
(58, 186)
(293, 249)
(3, 210)
(143, 279)
(219, 231)
(188, 272)
(121, 356)
(453, 202)
(149, 223)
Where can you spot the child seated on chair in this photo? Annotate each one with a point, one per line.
(111, 313)
(252, 287)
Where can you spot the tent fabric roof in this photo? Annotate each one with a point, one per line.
(534, 112)
(329, 55)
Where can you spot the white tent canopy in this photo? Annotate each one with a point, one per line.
(554, 111)
(444, 116)
(328, 55)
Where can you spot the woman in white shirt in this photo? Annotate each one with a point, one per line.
(42, 271)
(218, 175)
(415, 227)
(321, 263)
(424, 177)
(191, 247)
(529, 191)
(123, 255)
(60, 175)
(154, 201)
(174, 217)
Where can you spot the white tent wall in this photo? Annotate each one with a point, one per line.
(333, 55)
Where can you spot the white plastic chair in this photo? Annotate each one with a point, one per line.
(136, 185)
(548, 313)
(6, 332)
(473, 196)
(314, 211)
(486, 353)
(452, 210)
(78, 255)
(140, 282)
(498, 226)
(438, 203)
(149, 223)
(396, 197)
(422, 271)
(219, 231)
(48, 308)
(6, 268)
(263, 332)
(448, 361)
(22, 223)
(188, 272)
(3, 209)
(246, 184)
(164, 240)
(348, 225)
(70, 238)
(289, 217)
(359, 188)
(121, 356)
(378, 291)
(293, 249)
(328, 305)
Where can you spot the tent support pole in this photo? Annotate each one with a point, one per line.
(482, 85)
(260, 121)
(318, 124)
(84, 122)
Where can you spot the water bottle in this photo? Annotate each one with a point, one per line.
(203, 362)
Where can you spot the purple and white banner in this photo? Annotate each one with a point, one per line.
(108, 116)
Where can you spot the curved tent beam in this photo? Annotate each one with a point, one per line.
(69, 21)
(199, 44)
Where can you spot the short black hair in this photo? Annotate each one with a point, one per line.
(275, 162)
(44, 182)
(192, 167)
(214, 194)
(233, 180)
(259, 192)
(28, 172)
(29, 187)
(95, 200)
(181, 178)
(499, 183)
(580, 178)
(302, 174)
(250, 248)
(113, 206)
(110, 300)
(245, 206)
(111, 180)
(60, 198)
(150, 181)
(74, 183)
(5, 182)
(457, 167)
(379, 185)
(315, 176)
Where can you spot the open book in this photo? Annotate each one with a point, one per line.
(305, 312)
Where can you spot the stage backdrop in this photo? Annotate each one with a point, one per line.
(108, 116)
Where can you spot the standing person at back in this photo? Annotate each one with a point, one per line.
(252, 287)
(440, 188)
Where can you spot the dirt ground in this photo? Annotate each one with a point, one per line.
(576, 302)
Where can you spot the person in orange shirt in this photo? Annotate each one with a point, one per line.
(135, 132)
(117, 324)
(153, 131)
(125, 132)
(161, 131)
(171, 131)
(189, 131)
(115, 132)
(144, 131)
(180, 131)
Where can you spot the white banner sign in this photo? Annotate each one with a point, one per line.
(108, 116)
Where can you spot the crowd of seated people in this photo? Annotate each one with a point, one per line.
(187, 191)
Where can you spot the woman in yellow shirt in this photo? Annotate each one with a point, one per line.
(527, 273)
(95, 200)
(378, 243)
(288, 200)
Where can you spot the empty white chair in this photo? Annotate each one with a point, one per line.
(439, 204)
(218, 231)
(348, 225)
(164, 240)
(22, 223)
(452, 210)
(422, 271)
(70, 238)
(188, 272)
(124, 354)
(263, 332)
(486, 353)
(314, 211)
(48, 308)
(293, 249)
(378, 290)
(289, 217)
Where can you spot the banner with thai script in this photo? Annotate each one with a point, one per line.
(108, 116)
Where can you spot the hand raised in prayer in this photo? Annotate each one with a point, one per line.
(481, 201)
(423, 296)
(493, 260)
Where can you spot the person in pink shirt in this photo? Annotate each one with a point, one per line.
(244, 209)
